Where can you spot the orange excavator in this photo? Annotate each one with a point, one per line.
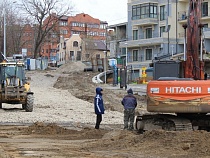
(181, 103)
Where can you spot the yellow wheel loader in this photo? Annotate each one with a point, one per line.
(14, 89)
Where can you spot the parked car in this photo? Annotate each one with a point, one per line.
(100, 68)
(88, 67)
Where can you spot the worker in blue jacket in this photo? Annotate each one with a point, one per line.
(129, 102)
(99, 106)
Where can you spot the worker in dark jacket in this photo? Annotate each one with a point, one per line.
(129, 102)
(99, 106)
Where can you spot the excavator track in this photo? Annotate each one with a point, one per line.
(162, 121)
(182, 124)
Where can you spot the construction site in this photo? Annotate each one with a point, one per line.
(62, 123)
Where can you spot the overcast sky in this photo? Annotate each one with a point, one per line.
(112, 11)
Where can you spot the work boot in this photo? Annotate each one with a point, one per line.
(125, 127)
(96, 126)
(131, 128)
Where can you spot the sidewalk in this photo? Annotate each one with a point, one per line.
(137, 88)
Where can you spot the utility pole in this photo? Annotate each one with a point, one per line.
(4, 30)
(105, 67)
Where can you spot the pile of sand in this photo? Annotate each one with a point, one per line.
(71, 66)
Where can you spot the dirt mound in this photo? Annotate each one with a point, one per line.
(80, 85)
(71, 66)
(157, 142)
(53, 130)
(48, 129)
(95, 143)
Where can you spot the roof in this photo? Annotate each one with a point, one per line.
(95, 44)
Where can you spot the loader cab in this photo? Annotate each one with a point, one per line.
(12, 74)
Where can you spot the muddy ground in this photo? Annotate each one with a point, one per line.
(40, 140)
(51, 140)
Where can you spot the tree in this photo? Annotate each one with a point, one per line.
(15, 30)
(46, 15)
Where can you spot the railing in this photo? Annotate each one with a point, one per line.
(206, 29)
(145, 16)
(183, 15)
(162, 56)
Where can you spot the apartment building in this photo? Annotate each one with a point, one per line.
(154, 31)
(81, 24)
(116, 34)
(27, 40)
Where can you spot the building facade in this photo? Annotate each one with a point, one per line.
(81, 24)
(76, 48)
(154, 31)
(116, 34)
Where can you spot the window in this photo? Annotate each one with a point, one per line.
(97, 56)
(149, 33)
(167, 28)
(205, 25)
(135, 34)
(204, 9)
(71, 54)
(147, 10)
(64, 32)
(78, 55)
(148, 54)
(162, 12)
(103, 26)
(63, 23)
(162, 29)
(75, 32)
(75, 44)
(135, 55)
(53, 35)
(87, 56)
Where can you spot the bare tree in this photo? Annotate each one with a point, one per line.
(15, 29)
(46, 15)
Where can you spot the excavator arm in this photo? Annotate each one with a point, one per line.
(193, 64)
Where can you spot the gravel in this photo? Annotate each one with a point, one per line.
(53, 105)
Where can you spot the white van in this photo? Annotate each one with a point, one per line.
(17, 56)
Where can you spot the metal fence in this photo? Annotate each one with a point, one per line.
(41, 63)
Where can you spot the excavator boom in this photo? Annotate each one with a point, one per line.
(193, 64)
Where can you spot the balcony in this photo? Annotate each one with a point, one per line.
(182, 16)
(206, 31)
(143, 41)
(144, 1)
(145, 20)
